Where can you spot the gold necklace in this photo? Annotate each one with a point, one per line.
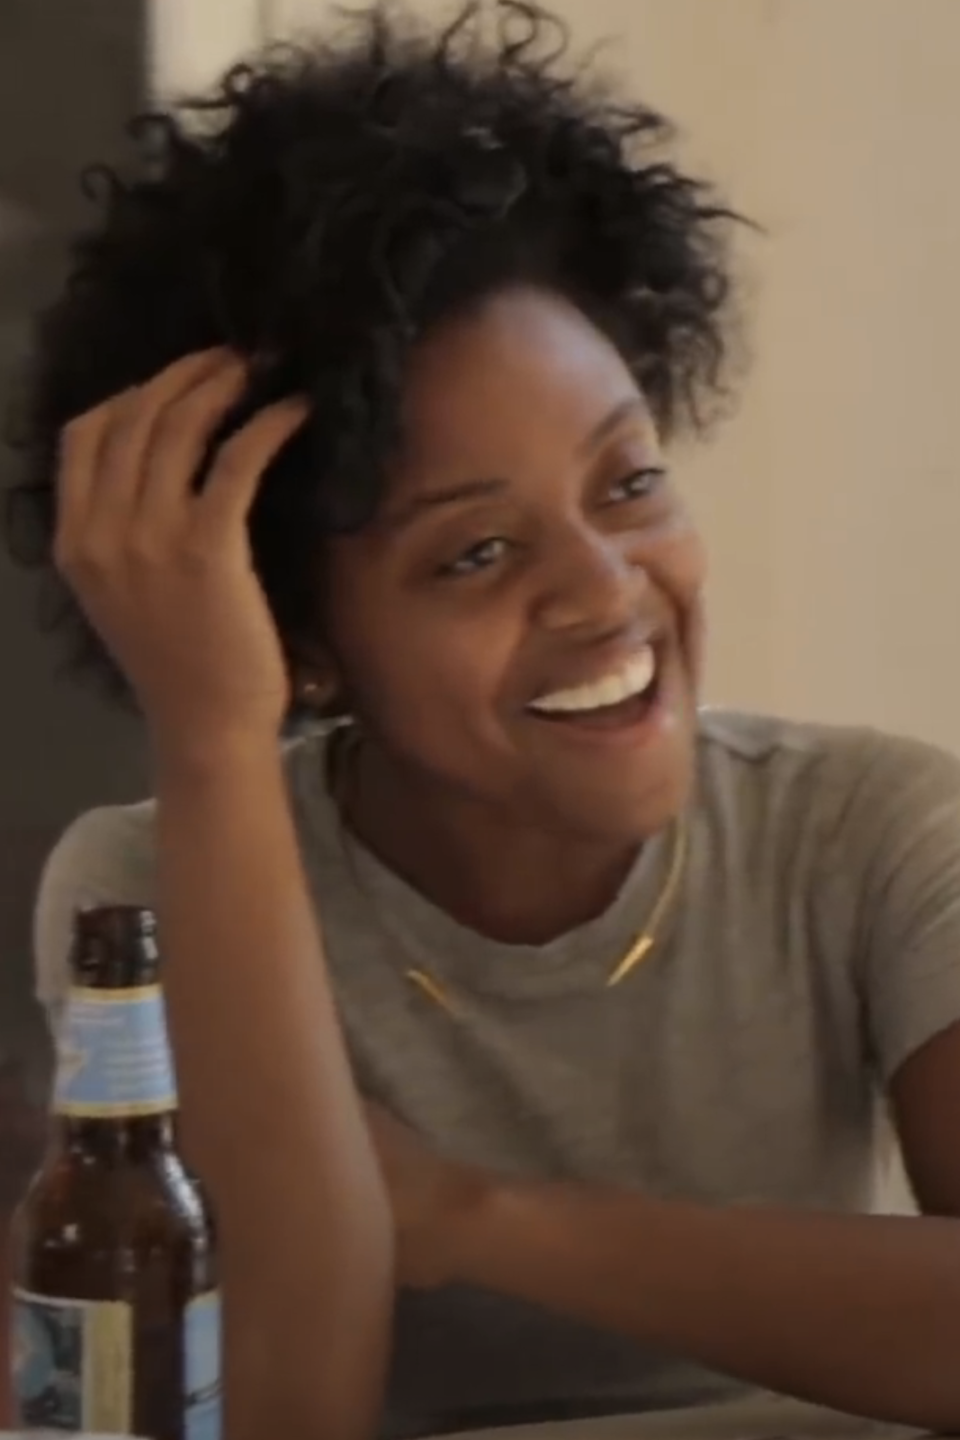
(438, 994)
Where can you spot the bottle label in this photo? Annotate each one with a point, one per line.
(202, 1368)
(113, 1055)
(72, 1364)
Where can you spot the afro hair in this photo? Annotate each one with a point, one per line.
(324, 206)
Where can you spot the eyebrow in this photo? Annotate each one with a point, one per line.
(632, 406)
(437, 499)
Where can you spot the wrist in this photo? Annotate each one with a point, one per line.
(550, 1230)
(180, 759)
(484, 1228)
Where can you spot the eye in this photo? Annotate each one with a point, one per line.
(638, 486)
(478, 557)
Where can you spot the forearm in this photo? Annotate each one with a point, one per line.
(304, 1223)
(858, 1313)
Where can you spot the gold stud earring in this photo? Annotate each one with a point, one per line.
(313, 692)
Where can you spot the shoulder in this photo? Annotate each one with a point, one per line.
(108, 856)
(107, 846)
(104, 857)
(108, 853)
(865, 828)
(848, 781)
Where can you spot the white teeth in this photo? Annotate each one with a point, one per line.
(632, 679)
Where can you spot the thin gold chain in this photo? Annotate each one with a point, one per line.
(640, 948)
(645, 942)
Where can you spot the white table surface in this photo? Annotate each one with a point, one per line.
(764, 1418)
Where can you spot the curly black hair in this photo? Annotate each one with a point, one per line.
(323, 207)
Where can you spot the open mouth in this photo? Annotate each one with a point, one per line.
(621, 699)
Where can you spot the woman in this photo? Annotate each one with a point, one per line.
(561, 1009)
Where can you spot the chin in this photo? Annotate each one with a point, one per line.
(630, 814)
(654, 788)
(650, 814)
(623, 787)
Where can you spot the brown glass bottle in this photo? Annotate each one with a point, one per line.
(116, 1315)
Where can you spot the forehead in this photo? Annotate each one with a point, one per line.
(522, 377)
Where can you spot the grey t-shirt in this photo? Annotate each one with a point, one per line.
(814, 945)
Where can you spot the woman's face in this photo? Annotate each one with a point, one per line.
(520, 625)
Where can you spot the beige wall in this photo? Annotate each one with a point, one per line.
(831, 502)
(859, 337)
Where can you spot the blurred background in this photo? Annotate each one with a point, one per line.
(830, 501)
(71, 71)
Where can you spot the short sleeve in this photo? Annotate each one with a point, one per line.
(906, 821)
(105, 857)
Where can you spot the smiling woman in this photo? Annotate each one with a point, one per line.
(563, 1006)
(501, 575)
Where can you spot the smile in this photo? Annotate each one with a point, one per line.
(635, 680)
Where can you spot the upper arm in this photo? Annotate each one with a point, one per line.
(104, 858)
(926, 1094)
(909, 818)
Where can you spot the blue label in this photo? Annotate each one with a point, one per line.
(202, 1364)
(72, 1364)
(113, 1055)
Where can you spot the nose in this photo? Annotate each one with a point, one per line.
(590, 586)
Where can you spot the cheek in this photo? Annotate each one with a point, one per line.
(679, 569)
(681, 563)
(424, 679)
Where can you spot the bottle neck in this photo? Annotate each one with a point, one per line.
(130, 1138)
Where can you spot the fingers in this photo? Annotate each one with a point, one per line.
(127, 467)
(179, 439)
(139, 415)
(102, 453)
(81, 445)
(233, 481)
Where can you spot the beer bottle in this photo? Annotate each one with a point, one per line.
(116, 1312)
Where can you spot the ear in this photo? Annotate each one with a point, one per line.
(317, 696)
(316, 683)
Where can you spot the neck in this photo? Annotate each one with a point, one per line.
(515, 883)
